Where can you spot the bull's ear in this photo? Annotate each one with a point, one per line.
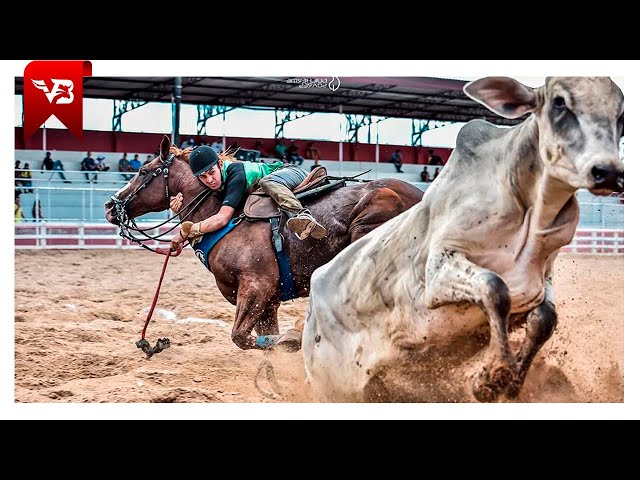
(503, 95)
(165, 145)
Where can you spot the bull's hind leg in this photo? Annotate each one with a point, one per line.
(452, 278)
(541, 322)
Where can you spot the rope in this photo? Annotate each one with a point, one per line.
(162, 343)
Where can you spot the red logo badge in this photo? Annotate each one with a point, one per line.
(54, 88)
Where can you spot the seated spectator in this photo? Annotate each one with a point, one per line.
(280, 151)
(293, 154)
(396, 159)
(424, 175)
(148, 160)
(102, 163)
(433, 159)
(124, 167)
(18, 216)
(436, 173)
(135, 163)
(88, 164)
(26, 178)
(49, 164)
(187, 143)
(18, 176)
(36, 211)
(217, 146)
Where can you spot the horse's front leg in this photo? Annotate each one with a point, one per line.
(256, 307)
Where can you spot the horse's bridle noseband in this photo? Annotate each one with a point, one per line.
(127, 224)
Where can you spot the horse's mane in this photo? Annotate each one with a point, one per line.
(184, 154)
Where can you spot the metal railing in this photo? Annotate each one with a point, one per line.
(41, 235)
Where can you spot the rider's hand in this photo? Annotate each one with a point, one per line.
(176, 241)
(190, 229)
(175, 202)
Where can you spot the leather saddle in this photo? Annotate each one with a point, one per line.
(260, 205)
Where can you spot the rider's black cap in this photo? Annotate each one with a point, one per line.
(202, 158)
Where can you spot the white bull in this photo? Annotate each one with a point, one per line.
(477, 251)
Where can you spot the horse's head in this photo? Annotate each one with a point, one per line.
(151, 188)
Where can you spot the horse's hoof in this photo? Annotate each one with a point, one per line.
(289, 342)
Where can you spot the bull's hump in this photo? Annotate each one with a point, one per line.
(477, 133)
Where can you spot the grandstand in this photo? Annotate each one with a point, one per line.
(81, 202)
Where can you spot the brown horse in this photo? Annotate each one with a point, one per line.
(243, 262)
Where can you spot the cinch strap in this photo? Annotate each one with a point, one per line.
(287, 285)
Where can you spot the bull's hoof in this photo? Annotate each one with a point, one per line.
(289, 342)
(483, 392)
(488, 385)
(501, 377)
(513, 389)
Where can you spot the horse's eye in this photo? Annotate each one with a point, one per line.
(143, 172)
(558, 102)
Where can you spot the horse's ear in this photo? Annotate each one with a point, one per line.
(165, 145)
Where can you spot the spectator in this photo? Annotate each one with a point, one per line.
(436, 173)
(293, 154)
(424, 175)
(18, 176)
(135, 163)
(102, 164)
(259, 147)
(313, 154)
(88, 164)
(148, 160)
(124, 166)
(17, 209)
(26, 179)
(396, 159)
(36, 211)
(186, 144)
(433, 159)
(49, 164)
(280, 151)
(217, 146)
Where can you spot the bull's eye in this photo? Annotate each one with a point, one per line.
(143, 172)
(558, 102)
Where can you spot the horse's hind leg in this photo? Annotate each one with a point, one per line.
(375, 208)
(255, 307)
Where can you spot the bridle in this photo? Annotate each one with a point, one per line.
(127, 225)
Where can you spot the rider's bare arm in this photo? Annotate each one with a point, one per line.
(217, 221)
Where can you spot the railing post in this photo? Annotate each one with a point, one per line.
(81, 235)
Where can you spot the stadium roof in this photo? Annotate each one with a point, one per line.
(426, 98)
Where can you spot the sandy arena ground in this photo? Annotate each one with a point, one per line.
(78, 314)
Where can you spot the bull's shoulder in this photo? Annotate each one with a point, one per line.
(477, 133)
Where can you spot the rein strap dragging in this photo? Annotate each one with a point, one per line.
(162, 343)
